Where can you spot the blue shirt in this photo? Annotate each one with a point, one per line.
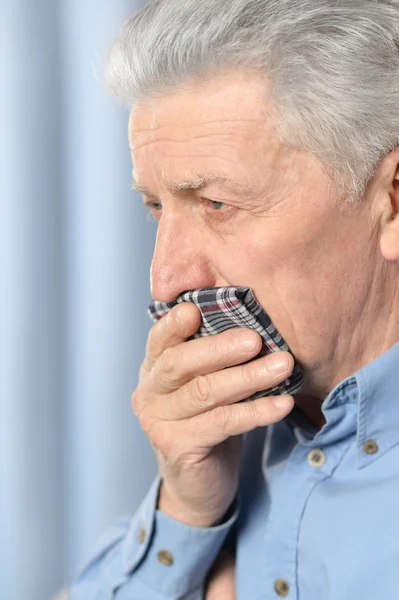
(316, 515)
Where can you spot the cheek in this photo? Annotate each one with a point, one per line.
(300, 258)
(268, 255)
(291, 273)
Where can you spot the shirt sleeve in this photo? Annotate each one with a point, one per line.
(152, 556)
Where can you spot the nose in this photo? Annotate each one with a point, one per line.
(180, 261)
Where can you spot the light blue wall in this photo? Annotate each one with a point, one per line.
(75, 256)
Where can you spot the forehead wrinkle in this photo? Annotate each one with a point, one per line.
(141, 141)
(152, 132)
(135, 130)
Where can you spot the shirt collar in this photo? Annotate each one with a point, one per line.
(365, 404)
(378, 405)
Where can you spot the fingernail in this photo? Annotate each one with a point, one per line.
(277, 363)
(282, 401)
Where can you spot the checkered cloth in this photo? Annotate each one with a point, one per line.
(227, 307)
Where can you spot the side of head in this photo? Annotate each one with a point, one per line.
(266, 134)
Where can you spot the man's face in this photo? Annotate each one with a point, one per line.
(276, 228)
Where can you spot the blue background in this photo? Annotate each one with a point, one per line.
(75, 255)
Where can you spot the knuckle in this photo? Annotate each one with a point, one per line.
(221, 418)
(140, 409)
(248, 374)
(221, 348)
(135, 402)
(201, 391)
(255, 410)
(160, 438)
(146, 424)
(168, 362)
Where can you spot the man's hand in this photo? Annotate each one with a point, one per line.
(187, 404)
(220, 583)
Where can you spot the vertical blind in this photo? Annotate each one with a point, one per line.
(75, 252)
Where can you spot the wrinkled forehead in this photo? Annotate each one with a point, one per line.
(225, 103)
(223, 125)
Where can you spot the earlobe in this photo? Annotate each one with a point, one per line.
(390, 229)
(390, 239)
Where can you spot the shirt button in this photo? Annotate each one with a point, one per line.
(316, 458)
(141, 536)
(281, 587)
(165, 557)
(370, 447)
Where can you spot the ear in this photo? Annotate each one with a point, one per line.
(389, 240)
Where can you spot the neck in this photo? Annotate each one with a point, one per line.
(311, 407)
(377, 331)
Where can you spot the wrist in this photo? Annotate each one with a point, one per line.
(174, 509)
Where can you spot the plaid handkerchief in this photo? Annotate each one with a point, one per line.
(227, 307)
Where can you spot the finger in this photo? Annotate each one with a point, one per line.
(183, 362)
(225, 387)
(181, 322)
(215, 426)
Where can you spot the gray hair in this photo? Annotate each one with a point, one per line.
(332, 67)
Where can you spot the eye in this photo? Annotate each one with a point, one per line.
(217, 211)
(154, 208)
(216, 205)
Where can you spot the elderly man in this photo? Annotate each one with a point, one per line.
(265, 140)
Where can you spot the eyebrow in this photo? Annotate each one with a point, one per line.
(182, 186)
